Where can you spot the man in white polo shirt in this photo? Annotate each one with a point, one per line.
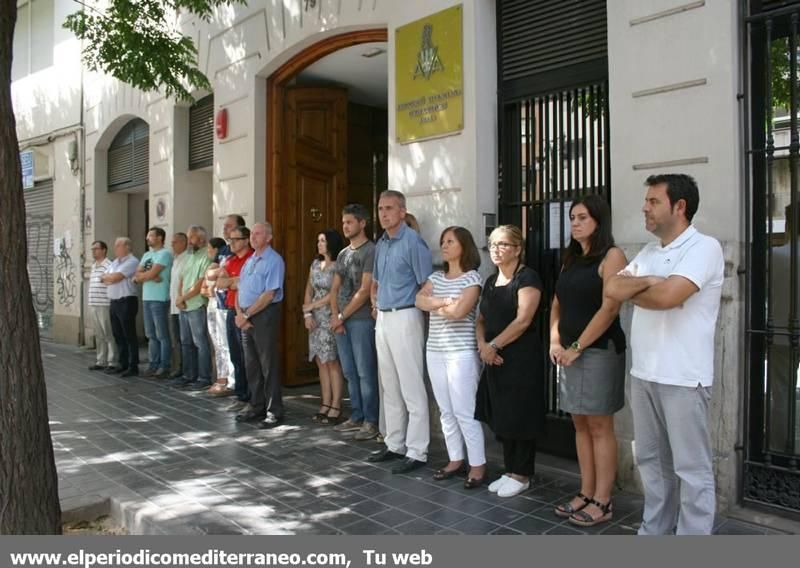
(122, 293)
(675, 285)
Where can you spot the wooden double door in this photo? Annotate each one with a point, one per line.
(314, 189)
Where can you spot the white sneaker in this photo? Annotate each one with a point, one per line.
(495, 485)
(513, 487)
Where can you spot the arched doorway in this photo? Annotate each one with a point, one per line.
(327, 141)
(121, 196)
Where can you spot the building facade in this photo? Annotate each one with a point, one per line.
(559, 98)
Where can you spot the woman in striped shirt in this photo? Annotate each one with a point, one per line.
(451, 296)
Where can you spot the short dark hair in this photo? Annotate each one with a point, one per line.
(599, 241)
(101, 244)
(356, 210)
(240, 222)
(334, 241)
(470, 257)
(181, 236)
(158, 231)
(679, 186)
(242, 230)
(217, 243)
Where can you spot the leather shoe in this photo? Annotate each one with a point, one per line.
(384, 455)
(97, 368)
(408, 465)
(250, 416)
(113, 370)
(197, 386)
(132, 372)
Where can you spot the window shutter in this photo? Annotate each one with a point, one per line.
(201, 133)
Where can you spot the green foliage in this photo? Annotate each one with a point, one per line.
(779, 78)
(138, 42)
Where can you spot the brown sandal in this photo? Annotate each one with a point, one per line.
(566, 510)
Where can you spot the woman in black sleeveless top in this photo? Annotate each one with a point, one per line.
(511, 394)
(587, 342)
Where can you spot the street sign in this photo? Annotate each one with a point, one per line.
(26, 158)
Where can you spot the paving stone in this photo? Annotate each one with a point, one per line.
(392, 517)
(165, 461)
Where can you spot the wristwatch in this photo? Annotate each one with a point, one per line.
(494, 346)
(576, 346)
(245, 315)
(341, 317)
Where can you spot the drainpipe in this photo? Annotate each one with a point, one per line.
(82, 239)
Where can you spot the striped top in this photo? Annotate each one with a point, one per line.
(453, 335)
(97, 290)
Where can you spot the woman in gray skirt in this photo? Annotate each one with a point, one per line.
(587, 342)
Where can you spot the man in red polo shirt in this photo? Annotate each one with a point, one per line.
(228, 279)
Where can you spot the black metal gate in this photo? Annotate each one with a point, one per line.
(772, 453)
(554, 143)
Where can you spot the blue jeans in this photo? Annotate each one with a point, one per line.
(237, 357)
(359, 362)
(156, 328)
(195, 350)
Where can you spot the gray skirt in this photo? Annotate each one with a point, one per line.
(594, 384)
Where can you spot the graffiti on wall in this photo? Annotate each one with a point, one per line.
(66, 279)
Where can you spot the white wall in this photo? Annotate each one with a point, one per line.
(40, 108)
(244, 45)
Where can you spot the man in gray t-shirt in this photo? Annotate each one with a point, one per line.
(353, 324)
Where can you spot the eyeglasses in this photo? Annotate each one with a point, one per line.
(501, 245)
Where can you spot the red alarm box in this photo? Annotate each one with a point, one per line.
(221, 124)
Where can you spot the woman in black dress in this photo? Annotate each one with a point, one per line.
(510, 396)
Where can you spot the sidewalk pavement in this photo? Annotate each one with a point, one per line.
(164, 461)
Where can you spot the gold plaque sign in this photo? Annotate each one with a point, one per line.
(429, 80)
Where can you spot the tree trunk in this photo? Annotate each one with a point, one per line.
(28, 482)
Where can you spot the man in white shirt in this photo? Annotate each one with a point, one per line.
(675, 285)
(99, 310)
(122, 292)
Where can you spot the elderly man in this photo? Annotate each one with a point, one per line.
(258, 315)
(121, 292)
(179, 258)
(402, 265)
(675, 285)
(196, 351)
(153, 273)
(99, 310)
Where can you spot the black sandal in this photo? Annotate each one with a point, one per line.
(320, 415)
(566, 510)
(584, 519)
(334, 420)
(442, 474)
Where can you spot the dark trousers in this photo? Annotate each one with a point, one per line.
(237, 356)
(262, 362)
(123, 326)
(519, 456)
(175, 340)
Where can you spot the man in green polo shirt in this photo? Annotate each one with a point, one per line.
(195, 350)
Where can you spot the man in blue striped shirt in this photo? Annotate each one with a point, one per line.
(402, 265)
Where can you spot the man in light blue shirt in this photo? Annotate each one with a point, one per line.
(402, 265)
(124, 306)
(154, 275)
(258, 316)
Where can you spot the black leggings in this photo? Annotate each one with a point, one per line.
(519, 456)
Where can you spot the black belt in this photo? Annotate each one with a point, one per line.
(397, 309)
